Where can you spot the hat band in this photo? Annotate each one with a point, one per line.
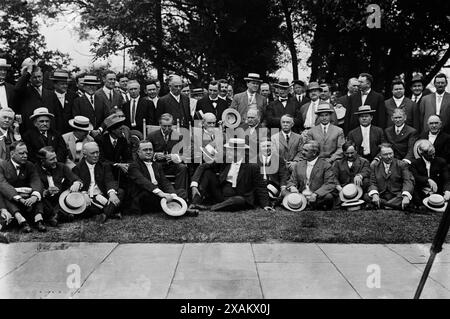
(69, 205)
(295, 206)
(81, 124)
(436, 205)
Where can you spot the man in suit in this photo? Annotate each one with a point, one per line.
(208, 134)
(250, 99)
(288, 144)
(108, 96)
(137, 109)
(418, 89)
(164, 140)
(437, 137)
(9, 131)
(436, 103)
(65, 99)
(7, 92)
(284, 105)
(89, 105)
(352, 169)
(367, 136)
(365, 96)
(313, 176)
(430, 174)
(401, 136)
(272, 167)
(176, 104)
(223, 92)
(265, 91)
(399, 100)
(239, 185)
(55, 178)
(42, 134)
(186, 91)
(123, 87)
(152, 93)
(32, 95)
(301, 97)
(391, 182)
(16, 174)
(330, 137)
(352, 88)
(76, 139)
(211, 103)
(103, 196)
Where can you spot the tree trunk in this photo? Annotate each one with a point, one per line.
(159, 39)
(437, 67)
(290, 38)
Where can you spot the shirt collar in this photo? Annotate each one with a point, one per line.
(431, 134)
(366, 127)
(176, 97)
(60, 94)
(386, 165)
(250, 94)
(88, 96)
(137, 99)
(90, 166)
(313, 162)
(223, 98)
(16, 166)
(107, 91)
(212, 99)
(368, 91)
(287, 134)
(325, 126)
(441, 95)
(399, 127)
(400, 100)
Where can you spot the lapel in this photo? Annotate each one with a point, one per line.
(144, 170)
(105, 98)
(356, 164)
(302, 171)
(445, 101)
(359, 136)
(283, 140)
(241, 172)
(71, 140)
(224, 173)
(433, 102)
(314, 170)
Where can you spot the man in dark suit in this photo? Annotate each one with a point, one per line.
(164, 140)
(366, 136)
(430, 174)
(108, 96)
(391, 181)
(401, 136)
(418, 89)
(55, 178)
(301, 97)
(437, 137)
(137, 109)
(266, 92)
(176, 104)
(103, 196)
(7, 92)
(223, 92)
(399, 100)
(436, 103)
(42, 134)
(21, 188)
(65, 99)
(352, 88)
(9, 131)
(211, 103)
(365, 96)
(32, 95)
(284, 105)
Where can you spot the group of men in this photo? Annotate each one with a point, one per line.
(108, 150)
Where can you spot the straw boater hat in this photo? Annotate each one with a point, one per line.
(4, 64)
(60, 75)
(314, 86)
(436, 202)
(72, 203)
(324, 107)
(27, 62)
(81, 123)
(416, 146)
(41, 111)
(236, 143)
(231, 118)
(253, 77)
(176, 207)
(283, 83)
(273, 189)
(90, 80)
(364, 109)
(350, 196)
(340, 114)
(113, 121)
(294, 202)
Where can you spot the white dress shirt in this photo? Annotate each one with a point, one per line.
(364, 96)
(91, 99)
(398, 129)
(428, 166)
(265, 162)
(399, 101)
(325, 128)
(176, 97)
(3, 97)
(155, 101)
(133, 120)
(350, 164)
(152, 176)
(310, 120)
(439, 98)
(108, 92)
(233, 173)
(432, 137)
(61, 97)
(416, 98)
(365, 130)
(309, 168)
(93, 188)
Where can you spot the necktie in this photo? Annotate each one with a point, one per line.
(91, 97)
(114, 143)
(386, 169)
(325, 130)
(110, 96)
(166, 137)
(133, 113)
(397, 129)
(287, 140)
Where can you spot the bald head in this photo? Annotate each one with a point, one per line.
(353, 85)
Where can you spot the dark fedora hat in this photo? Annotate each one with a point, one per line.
(417, 78)
(300, 82)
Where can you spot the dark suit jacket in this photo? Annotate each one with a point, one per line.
(346, 175)
(109, 154)
(250, 184)
(35, 141)
(276, 170)
(397, 181)
(103, 176)
(5, 144)
(206, 106)
(275, 110)
(160, 145)
(427, 107)
(411, 109)
(376, 102)
(11, 97)
(116, 102)
(62, 176)
(438, 173)
(180, 111)
(66, 111)
(403, 143)
(139, 175)
(227, 100)
(145, 109)
(376, 137)
(424, 93)
(9, 180)
(441, 144)
(82, 106)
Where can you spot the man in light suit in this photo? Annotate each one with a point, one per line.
(401, 136)
(367, 136)
(250, 99)
(437, 137)
(436, 103)
(314, 177)
(108, 95)
(77, 138)
(391, 182)
(287, 143)
(208, 134)
(330, 137)
(137, 108)
(399, 100)
(9, 132)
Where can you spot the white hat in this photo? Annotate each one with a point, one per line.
(72, 203)
(41, 111)
(435, 202)
(294, 202)
(350, 192)
(81, 123)
(236, 143)
(4, 64)
(176, 207)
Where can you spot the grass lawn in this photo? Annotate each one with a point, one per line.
(370, 227)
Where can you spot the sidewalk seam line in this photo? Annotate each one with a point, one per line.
(175, 271)
(19, 266)
(257, 271)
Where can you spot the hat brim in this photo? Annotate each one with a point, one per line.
(5, 66)
(340, 112)
(276, 188)
(115, 125)
(364, 112)
(42, 114)
(300, 82)
(281, 86)
(68, 210)
(225, 120)
(352, 203)
(90, 83)
(439, 210)
(285, 203)
(227, 145)
(325, 111)
(171, 212)
(87, 129)
(59, 79)
(416, 148)
(253, 79)
(358, 196)
(315, 88)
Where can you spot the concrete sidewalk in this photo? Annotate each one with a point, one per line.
(219, 270)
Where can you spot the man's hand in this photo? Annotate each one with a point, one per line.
(30, 201)
(358, 180)
(433, 185)
(195, 191)
(339, 188)
(95, 133)
(160, 156)
(376, 200)
(53, 190)
(123, 167)
(167, 196)
(76, 186)
(373, 163)
(405, 202)
(88, 200)
(114, 199)
(6, 215)
(447, 196)
(313, 198)
(293, 189)
(269, 209)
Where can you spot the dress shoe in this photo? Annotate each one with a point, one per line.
(53, 222)
(116, 216)
(191, 212)
(25, 228)
(40, 227)
(101, 218)
(198, 207)
(4, 238)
